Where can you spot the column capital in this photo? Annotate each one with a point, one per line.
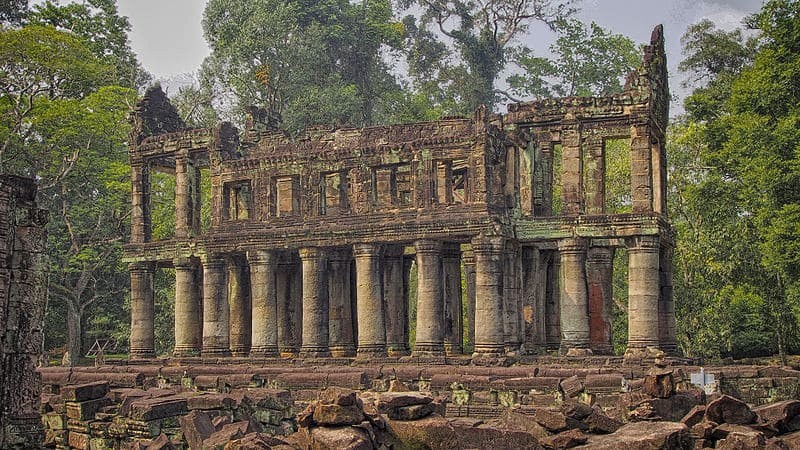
(428, 246)
(182, 263)
(367, 250)
(141, 266)
(311, 253)
(212, 260)
(451, 250)
(261, 257)
(600, 255)
(572, 245)
(482, 245)
(468, 257)
(644, 243)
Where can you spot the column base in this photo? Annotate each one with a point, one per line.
(396, 351)
(240, 354)
(315, 352)
(185, 352)
(215, 352)
(264, 352)
(453, 349)
(142, 354)
(670, 349)
(647, 352)
(371, 351)
(488, 350)
(345, 351)
(427, 349)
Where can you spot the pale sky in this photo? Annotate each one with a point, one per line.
(168, 38)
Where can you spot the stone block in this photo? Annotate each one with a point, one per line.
(84, 392)
(85, 410)
(157, 408)
(571, 386)
(79, 441)
(727, 409)
(337, 415)
(196, 427)
(413, 412)
(643, 435)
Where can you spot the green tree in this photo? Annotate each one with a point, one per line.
(307, 62)
(13, 11)
(481, 35)
(588, 60)
(103, 31)
(66, 127)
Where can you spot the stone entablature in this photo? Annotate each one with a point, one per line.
(312, 239)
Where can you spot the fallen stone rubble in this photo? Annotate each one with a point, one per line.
(219, 407)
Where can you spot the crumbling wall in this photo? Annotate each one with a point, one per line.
(22, 294)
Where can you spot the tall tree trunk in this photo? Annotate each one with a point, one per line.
(74, 327)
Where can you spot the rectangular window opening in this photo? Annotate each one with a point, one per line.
(618, 199)
(238, 200)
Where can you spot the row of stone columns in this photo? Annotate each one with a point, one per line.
(517, 298)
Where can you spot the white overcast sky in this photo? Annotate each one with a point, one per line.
(168, 38)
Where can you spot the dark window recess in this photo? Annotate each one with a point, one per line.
(239, 200)
(333, 198)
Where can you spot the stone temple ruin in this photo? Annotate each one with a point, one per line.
(312, 239)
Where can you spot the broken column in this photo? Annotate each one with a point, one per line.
(599, 275)
(574, 300)
(264, 302)
(396, 301)
(369, 301)
(188, 309)
(340, 316)
(142, 342)
(643, 294)
(451, 269)
(315, 304)
(216, 339)
(489, 329)
(430, 299)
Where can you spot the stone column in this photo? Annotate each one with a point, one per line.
(264, 300)
(240, 327)
(315, 304)
(643, 293)
(641, 169)
(553, 301)
(142, 342)
(140, 203)
(287, 333)
(430, 299)
(594, 171)
(216, 314)
(188, 309)
(666, 305)
(574, 298)
(183, 198)
(533, 300)
(451, 269)
(469, 274)
(395, 301)
(599, 278)
(511, 299)
(571, 176)
(340, 317)
(489, 328)
(369, 301)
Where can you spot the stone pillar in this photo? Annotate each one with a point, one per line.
(140, 203)
(533, 308)
(574, 298)
(643, 293)
(287, 333)
(188, 309)
(511, 299)
(395, 299)
(469, 280)
(571, 177)
(430, 299)
(369, 301)
(216, 314)
(264, 300)
(451, 269)
(142, 342)
(553, 301)
(599, 279)
(666, 305)
(296, 301)
(340, 316)
(641, 169)
(240, 327)
(489, 328)
(183, 198)
(594, 171)
(315, 304)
